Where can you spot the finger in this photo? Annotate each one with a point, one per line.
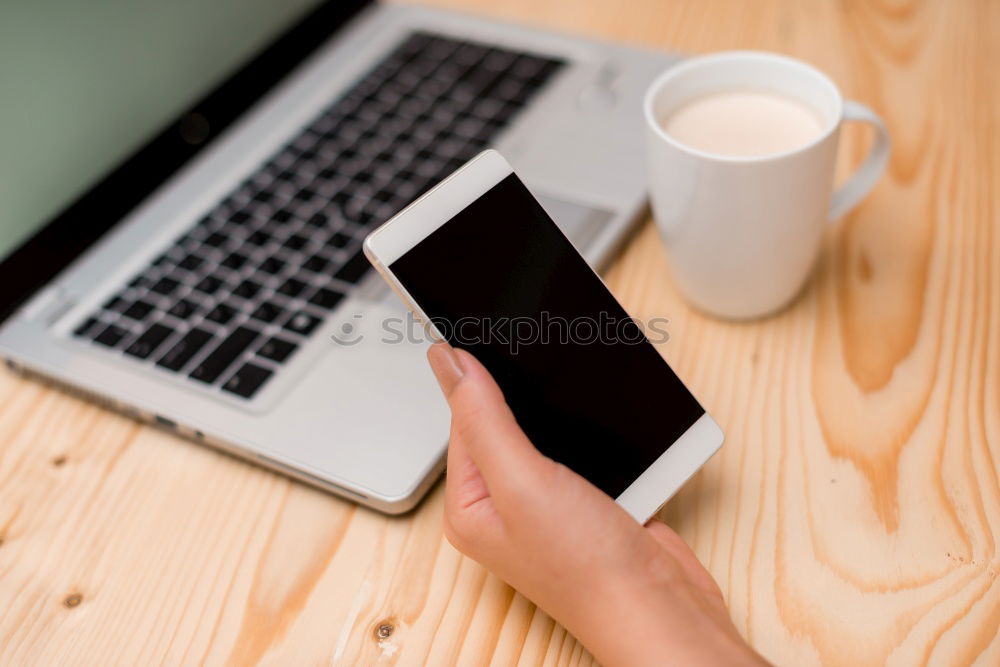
(488, 429)
(471, 521)
(464, 484)
(445, 364)
(483, 424)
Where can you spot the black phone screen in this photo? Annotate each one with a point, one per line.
(502, 281)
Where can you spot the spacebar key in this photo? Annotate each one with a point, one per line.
(224, 355)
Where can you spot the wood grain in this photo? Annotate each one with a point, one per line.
(852, 517)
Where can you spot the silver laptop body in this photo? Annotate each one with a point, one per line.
(355, 410)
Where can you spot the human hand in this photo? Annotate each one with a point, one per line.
(633, 595)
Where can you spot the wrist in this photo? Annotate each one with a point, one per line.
(656, 621)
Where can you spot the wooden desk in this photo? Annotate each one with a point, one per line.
(852, 517)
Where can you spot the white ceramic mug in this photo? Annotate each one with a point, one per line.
(742, 233)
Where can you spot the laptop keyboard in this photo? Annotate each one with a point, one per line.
(236, 295)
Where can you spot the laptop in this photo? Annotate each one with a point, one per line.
(186, 189)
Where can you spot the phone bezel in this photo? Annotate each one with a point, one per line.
(680, 460)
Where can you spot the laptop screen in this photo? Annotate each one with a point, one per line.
(85, 84)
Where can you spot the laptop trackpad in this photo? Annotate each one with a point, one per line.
(580, 223)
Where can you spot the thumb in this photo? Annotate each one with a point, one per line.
(483, 423)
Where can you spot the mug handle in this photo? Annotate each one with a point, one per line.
(864, 179)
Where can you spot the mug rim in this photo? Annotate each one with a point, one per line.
(766, 56)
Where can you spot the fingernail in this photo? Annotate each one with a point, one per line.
(444, 363)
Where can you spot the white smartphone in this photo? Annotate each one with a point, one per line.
(480, 262)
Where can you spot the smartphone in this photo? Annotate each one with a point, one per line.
(486, 269)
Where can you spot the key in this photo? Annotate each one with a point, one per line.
(302, 323)
(247, 289)
(326, 298)
(111, 336)
(267, 312)
(191, 262)
(215, 239)
(272, 265)
(239, 217)
(83, 328)
(115, 304)
(295, 242)
(277, 349)
(165, 286)
(138, 310)
(147, 343)
(258, 238)
(181, 353)
(234, 261)
(246, 381)
(316, 263)
(182, 309)
(339, 240)
(221, 314)
(355, 268)
(292, 287)
(221, 357)
(209, 285)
